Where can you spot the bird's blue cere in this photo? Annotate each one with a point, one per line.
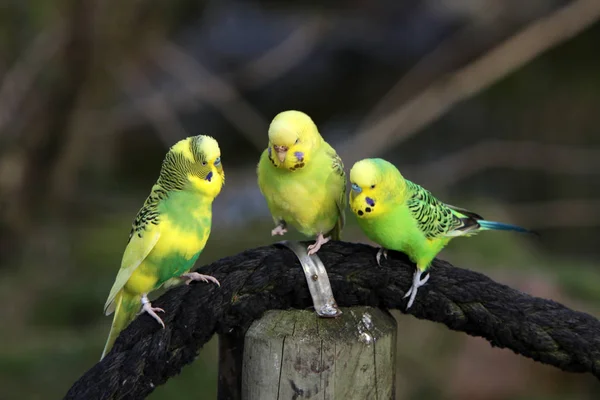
(299, 156)
(209, 176)
(217, 161)
(356, 188)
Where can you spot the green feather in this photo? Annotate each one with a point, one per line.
(406, 217)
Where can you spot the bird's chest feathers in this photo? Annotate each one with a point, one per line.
(185, 227)
(300, 196)
(395, 229)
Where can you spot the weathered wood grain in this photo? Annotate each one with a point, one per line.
(294, 354)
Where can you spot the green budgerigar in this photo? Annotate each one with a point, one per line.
(303, 180)
(400, 215)
(169, 232)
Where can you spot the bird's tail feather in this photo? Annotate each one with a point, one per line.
(499, 226)
(127, 307)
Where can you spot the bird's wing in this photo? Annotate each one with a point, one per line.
(141, 243)
(436, 219)
(263, 169)
(339, 186)
(464, 211)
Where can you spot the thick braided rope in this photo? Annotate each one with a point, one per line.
(145, 356)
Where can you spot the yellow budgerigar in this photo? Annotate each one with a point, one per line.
(169, 232)
(303, 180)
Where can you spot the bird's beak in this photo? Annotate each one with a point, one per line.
(281, 156)
(281, 152)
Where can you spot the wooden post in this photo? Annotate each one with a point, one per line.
(294, 354)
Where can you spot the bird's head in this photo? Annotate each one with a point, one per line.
(293, 137)
(375, 184)
(196, 163)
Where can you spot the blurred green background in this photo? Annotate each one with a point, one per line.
(491, 105)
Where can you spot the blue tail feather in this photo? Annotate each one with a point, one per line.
(499, 226)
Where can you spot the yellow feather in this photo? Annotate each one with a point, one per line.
(135, 252)
(208, 189)
(366, 175)
(186, 242)
(183, 147)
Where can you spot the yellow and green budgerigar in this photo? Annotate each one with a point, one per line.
(169, 232)
(400, 215)
(303, 180)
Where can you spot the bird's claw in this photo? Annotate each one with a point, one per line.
(313, 248)
(417, 283)
(147, 307)
(195, 276)
(381, 252)
(279, 230)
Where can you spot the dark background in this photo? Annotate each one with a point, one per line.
(491, 105)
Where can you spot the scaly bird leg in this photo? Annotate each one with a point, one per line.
(147, 307)
(381, 252)
(321, 240)
(195, 276)
(417, 283)
(280, 229)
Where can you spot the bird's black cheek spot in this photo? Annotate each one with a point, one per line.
(368, 209)
(360, 212)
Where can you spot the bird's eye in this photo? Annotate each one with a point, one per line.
(297, 141)
(204, 162)
(217, 161)
(372, 186)
(356, 188)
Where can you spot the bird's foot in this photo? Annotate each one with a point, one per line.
(152, 311)
(195, 276)
(279, 230)
(381, 252)
(417, 283)
(321, 240)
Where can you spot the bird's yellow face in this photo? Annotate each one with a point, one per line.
(292, 139)
(368, 189)
(205, 170)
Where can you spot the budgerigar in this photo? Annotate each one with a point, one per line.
(169, 232)
(303, 180)
(400, 215)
